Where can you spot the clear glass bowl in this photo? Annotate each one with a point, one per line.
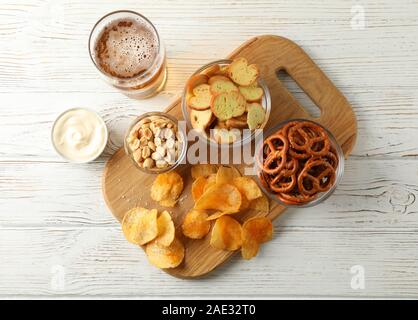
(182, 142)
(99, 150)
(265, 102)
(322, 196)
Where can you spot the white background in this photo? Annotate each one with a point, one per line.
(57, 238)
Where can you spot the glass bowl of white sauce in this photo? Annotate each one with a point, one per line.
(79, 135)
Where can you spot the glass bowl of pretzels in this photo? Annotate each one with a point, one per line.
(299, 163)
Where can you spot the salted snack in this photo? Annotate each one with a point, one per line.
(260, 204)
(255, 115)
(221, 84)
(201, 97)
(223, 100)
(242, 73)
(298, 162)
(154, 143)
(255, 231)
(227, 105)
(198, 94)
(198, 187)
(165, 257)
(226, 234)
(143, 226)
(227, 174)
(239, 122)
(248, 187)
(222, 197)
(201, 119)
(139, 225)
(211, 183)
(166, 230)
(167, 188)
(251, 93)
(221, 193)
(203, 170)
(195, 224)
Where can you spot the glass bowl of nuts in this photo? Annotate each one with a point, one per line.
(227, 102)
(155, 142)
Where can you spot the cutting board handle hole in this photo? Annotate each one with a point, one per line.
(298, 93)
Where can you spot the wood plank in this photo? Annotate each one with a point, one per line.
(57, 34)
(100, 262)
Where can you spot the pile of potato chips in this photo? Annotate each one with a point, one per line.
(219, 193)
(156, 231)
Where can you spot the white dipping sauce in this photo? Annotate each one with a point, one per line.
(79, 135)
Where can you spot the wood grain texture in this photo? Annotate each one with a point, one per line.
(123, 184)
(52, 212)
(100, 262)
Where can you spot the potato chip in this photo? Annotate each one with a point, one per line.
(249, 248)
(254, 232)
(139, 225)
(198, 187)
(245, 203)
(227, 174)
(226, 234)
(166, 188)
(166, 230)
(223, 197)
(168, 203)
(210, 181)
(218, 214)
(203, 170)
(259, 228)
(248, 187)
(195, 224)
(260, 204)
(165, 257)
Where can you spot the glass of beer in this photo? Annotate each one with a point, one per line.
(127, 51)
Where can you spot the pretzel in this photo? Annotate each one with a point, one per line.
(311, 178)
(294, 199)
(307, 136)
(331, 158)
(283, 183)
(298, 162)
(275, 148)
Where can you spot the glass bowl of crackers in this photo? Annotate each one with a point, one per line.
(299, 163)
(227, 102)
(155, 142)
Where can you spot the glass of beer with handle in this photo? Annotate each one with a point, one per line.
(127, 51)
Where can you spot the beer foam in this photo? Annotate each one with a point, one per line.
(126, 48)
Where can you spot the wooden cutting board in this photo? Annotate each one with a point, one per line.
(125, 187)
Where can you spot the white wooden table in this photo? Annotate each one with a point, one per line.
(58, 239)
